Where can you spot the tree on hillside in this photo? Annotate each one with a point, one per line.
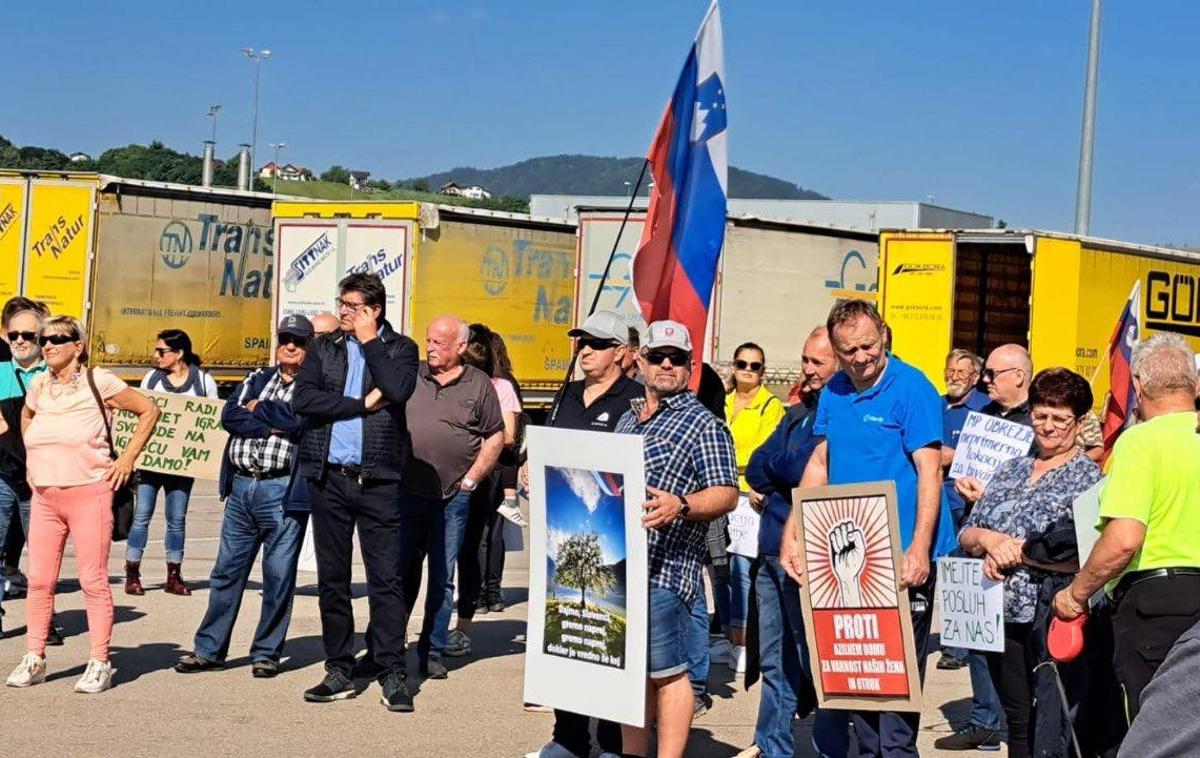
(380, 184)
(420, 185)
(579, 563)
(336, 174)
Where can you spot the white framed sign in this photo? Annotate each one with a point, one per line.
(971, 606)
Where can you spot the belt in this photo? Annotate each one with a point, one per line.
(350, 472)
(259, 475)
(1136, 577)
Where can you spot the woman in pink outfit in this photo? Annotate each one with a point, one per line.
(73, 477)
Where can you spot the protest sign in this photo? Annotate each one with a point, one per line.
(860, 636)
(588, 586)
(971, 606)
(743, 529)
(985, 443)
(187, 441)
(1086, 514)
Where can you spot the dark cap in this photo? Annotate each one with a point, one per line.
(296, 325)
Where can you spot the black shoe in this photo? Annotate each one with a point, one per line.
(433, 668)
(54, 636)
(192, 663)
(396, 696)
(366, 667)
(950, 663)
(265, 669)
(335, 686)
(701, 705)
(970, 738)
(496, 606)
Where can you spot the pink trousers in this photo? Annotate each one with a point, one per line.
(85, 513)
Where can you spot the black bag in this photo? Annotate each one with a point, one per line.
(125, 499)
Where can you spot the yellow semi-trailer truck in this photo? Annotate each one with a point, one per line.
(1058, 294)
(132, 257)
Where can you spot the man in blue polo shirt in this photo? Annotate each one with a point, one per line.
(882, 420)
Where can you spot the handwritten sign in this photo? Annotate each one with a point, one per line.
(971, 605)
(743, 529)
(985, 443)
(187, 441)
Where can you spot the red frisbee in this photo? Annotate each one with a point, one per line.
(1065, 638)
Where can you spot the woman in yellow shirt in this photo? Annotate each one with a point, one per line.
(752, 412)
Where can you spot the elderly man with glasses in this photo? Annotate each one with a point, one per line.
(1006, 375)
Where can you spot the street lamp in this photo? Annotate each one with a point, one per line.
(213, 110)
(258, 57)
(275, 184)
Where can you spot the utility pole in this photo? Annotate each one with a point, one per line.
(1083, 192)
(258, 57)
(213, 110)
(275, 183)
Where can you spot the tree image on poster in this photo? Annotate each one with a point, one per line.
(585, 571)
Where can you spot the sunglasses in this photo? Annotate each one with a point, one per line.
(596, 343)
(990, 374)
(161, 351)
(57, 339)
(27, 336)
(751, 365)
(292, 339)
(676, 357)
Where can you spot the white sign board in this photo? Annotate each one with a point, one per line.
(985, 443)
(1086, 513)
(743, 529)
(971, 606)
(588, 586)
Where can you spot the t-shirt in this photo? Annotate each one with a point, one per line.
(204, 380)
(1154, 478)
(603, 413)
(509, 403)
(871, 436)
(66, 444)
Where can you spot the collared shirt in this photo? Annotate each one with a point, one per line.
(15, 382)
(604, 412)
(346, 436)
(687, 449)
(269, 455)
(1018, 414)
(953, 418)
(776, 467)
(873, 434)
(448, 423)
(752, 425)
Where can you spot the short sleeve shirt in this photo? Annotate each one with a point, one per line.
(953, 419)
(603, 413)
(509, 403)
(1011, 505)
(66, 444)
(1154, 478)
(872, 435)
(687, 449)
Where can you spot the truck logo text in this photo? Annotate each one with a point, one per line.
(58, 237)
(1173, 303)
(7, 217)
(175, 244)
(307, 260)
(919, 268)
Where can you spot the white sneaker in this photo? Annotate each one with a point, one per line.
(30, 671)
(720, 651)
(737, 659)
(97, 677)
(551, 750)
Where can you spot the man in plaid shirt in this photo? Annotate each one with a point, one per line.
(691, 478)
(265, 505)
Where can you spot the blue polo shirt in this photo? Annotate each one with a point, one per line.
(345, 441)
(953, 418)
(872, 435)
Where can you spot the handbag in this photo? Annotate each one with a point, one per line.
(124, 501)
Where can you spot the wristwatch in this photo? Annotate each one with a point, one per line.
(469, 484)
(684, 508)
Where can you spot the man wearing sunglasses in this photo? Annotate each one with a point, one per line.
(265, 506)
(1006, 376)
(691, 478)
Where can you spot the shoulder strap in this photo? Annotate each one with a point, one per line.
(91, 380)
(20, 381)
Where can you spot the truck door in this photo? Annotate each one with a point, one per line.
(58, 245)
(916, 297)
(13, 192)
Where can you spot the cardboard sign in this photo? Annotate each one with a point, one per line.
(588, 582)
(187, 441)
(971, 605)
(985, 443)
(860, 637)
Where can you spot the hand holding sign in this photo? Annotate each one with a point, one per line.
(985, 443)
(848, 554)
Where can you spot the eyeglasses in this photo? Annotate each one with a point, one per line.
(990, 374)
(27, 336)
(676, 357)
(750, 365)
(340, 304)
(292, 339)
(959, 373)
(161, 351)
(1058, 422)
(57, 339)
(596, 343)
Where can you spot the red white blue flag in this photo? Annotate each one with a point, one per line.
(1122, 400)
(676, 262)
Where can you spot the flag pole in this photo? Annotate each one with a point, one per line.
(599, 290)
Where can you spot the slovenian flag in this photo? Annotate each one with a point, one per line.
(1122, 400)
(676, 262)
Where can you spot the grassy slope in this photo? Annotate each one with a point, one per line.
(334, 191)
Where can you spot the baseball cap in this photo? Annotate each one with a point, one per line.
(603, 324)
(295, 324)
(668, 334)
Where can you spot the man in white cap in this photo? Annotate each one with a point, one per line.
(691, 478)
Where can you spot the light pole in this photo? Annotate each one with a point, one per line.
(258, 57)
(275, 183)
(213, 110)
(1083, 191)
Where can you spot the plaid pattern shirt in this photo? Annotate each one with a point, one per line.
(687, 449)
(265, 455)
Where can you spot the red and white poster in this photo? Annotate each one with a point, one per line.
(860, 636)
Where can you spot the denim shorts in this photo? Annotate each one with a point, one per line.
(670, 619)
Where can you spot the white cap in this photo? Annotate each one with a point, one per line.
(668, 334)
(603, 324)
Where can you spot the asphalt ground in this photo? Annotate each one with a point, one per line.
(153, 711)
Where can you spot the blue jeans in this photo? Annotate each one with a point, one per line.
(697, 646)
(177, 490)
(670, 627)
(985, 701)
(254, 516)
(10, 503)
(732, 596)
(438, 527)
(783, 661)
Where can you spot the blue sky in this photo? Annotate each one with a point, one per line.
(567, 514)
(976, 104)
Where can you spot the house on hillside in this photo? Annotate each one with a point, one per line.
(358, 180)
(473, 192)
(286, 173)
(79, 157)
